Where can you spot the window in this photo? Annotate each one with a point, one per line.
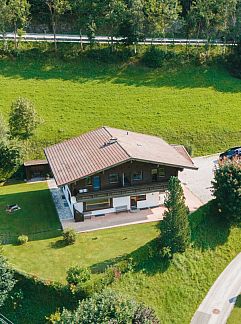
(154, 175)
(88, 181)
(137, 176)
(113, 178)
(141, 197)
(161, 172)
(96, 204)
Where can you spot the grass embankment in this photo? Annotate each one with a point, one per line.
(173, 289)
(37, 217)
(192, 104)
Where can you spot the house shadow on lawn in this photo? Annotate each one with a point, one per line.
(37, 217)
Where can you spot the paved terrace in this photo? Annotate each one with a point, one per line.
(127, 218)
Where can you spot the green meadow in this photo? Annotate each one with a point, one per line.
(195, 105)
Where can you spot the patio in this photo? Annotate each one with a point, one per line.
(127, 218)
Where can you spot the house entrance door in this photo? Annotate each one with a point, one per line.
(96, 183)
(133, 202)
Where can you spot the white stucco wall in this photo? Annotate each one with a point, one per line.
(161, 198)
(152, 200)
(79, 206)
(122, 201)
(66, 192)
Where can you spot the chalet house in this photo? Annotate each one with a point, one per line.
(111, 170)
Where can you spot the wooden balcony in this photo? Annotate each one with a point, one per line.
(123, 191)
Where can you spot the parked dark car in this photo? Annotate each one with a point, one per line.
(231, 153)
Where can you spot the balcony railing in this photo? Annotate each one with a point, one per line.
(123, 191)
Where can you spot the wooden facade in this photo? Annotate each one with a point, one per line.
(129, 174)
(37, 169)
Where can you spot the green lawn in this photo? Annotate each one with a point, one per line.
(184, 104)
(173, 289)
(37, 217)
(235, 316)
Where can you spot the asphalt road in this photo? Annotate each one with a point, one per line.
(68, 38)
(219, 301)
(199, 182)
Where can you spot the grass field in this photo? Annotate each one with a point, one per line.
(184, 104)
(235, 316)
(173, 289)
(37, 217)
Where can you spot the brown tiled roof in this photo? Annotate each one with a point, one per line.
(92, 152)
(35, 162)
(182, 150)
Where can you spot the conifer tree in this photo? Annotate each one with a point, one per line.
(175, 231)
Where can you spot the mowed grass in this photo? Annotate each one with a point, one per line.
(174, 289)
(94, 249)
(37, 217)
(183, 104)
(235, 316)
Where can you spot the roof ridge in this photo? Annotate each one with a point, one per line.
(105, 127)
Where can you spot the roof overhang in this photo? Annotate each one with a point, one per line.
(128, 160)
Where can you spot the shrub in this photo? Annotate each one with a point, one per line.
(108, 307)
(22, 239)
(154, 57)
(175, 231)
(7, 280)
(3, 129)
(77, 275)
(145, 315)
(69, 236)
(226, 190)
(53, 318)
(126, 265)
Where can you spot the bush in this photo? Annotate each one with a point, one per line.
(22, 239)
(7, 280)
(108, 307)
(145, 315)
(77, 275)
(154, 57)
(69, 236)
(226, 190)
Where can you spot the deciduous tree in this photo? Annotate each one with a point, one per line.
(227, 190)
(19, 16)
(11, 157)
(23, 118)
(5, 18)
(109, 307)
(56, 9)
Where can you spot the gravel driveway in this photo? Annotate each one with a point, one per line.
(199, 182)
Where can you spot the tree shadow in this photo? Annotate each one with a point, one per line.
(58, 244)
(208, 229)
(82, 70)
(145, 259)
(208, 232)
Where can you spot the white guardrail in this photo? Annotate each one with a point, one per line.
(44, 37)
(4, 320)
